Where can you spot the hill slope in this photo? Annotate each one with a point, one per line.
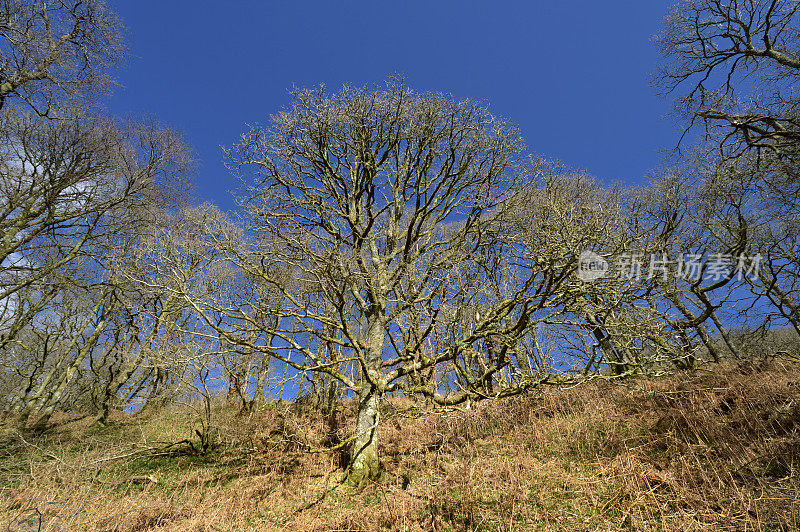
(699, 450)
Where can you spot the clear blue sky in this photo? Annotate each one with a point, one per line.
(573, 74)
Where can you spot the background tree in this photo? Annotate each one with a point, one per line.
(736, 62)
(56, 55)
(735, 66)
(75, 193)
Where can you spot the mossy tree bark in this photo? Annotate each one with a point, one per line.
(364, 461)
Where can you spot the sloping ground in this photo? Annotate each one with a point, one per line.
(704, 450)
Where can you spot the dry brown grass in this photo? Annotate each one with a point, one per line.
(703, 450)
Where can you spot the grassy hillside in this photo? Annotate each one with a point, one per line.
(704, 450)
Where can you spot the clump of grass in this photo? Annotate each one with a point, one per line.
(709, 449)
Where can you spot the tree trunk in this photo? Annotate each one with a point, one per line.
(364, 462)
(707, 341)
(723, 332)
(259, 398)
(114, 386)
(687, 359)
(47, 398)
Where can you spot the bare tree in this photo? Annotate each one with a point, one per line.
(735, 65)
(68, 187)
(404, 234)
(53, 55)
(566, 220)
(682, 224)
(738, 61)
(74, 192)
(370, 200)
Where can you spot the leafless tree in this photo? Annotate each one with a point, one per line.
(735, 66)
(55, 55)
(370, 199)
(737, 62)
(68, 188)
(679, 221)
(404, 233)
(610, 321)
(74, 191)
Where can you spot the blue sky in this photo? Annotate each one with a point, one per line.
(573, 74)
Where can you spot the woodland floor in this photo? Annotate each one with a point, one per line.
(716, 449)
